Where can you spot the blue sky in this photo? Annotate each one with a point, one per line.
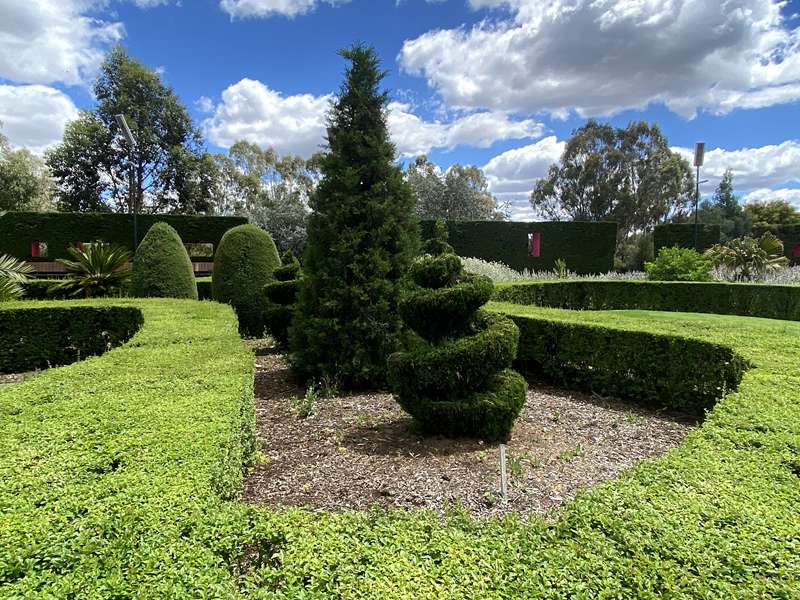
(496, 83)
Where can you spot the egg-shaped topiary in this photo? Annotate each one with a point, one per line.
(161, 266)
(243, 264)
(281, 294)
(457, 379)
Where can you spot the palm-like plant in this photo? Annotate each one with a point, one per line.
(749, 258)
(99, 269)
(13, 273)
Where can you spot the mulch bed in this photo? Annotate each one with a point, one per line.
(8, 378)
(359, 450)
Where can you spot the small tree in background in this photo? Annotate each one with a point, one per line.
(243, 265)
(162, 267)
(362, 236)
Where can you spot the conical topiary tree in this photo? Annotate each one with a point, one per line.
(281, 298)
(457, 380)
(243, 265)
(161, 266)
(362, 236)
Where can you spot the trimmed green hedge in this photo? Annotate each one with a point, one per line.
(752, 300)
(161, 266)
(788, 234)
(586, 247)
(61, 230)
(663, 370)
(114, 471)
(38, 338)
(682, 236)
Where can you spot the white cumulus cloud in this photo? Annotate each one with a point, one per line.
(34, 116)
(790, 195)
(269, 8)
(599, 57)
(296, 124)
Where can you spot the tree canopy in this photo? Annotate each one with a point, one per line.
(24, 181)
(773, 212)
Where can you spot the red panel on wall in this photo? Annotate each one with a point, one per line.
(35, 249)
(536, 244)
(796, 251)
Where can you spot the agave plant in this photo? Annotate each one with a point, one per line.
(13, 273)
(748, 258)
(98, 269)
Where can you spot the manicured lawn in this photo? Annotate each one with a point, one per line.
(714, 518)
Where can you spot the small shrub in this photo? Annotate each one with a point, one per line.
(281, 297)
(748, 258)
(304, 407)
(97, 270)
(245, 261)
(161, 266)
(679, 264)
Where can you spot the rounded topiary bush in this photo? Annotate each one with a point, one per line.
(243, 264)
(161, 266)
(456, 379)
(281, 296)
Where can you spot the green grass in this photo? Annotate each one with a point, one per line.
(715, 518)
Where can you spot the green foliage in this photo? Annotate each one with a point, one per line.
(161, 266)
(662, 370)
(116, 469)
(679, 264)
(788, 234)
(362, 237)
(586, 247)
(24, 180)
(773, 212)
(13, 277)
(96, 270)
(93, 162)
(724, 210)
(749, 258)
(243, 265)
(62, 230)
(281, 297)
(455, 380)
(38, 338)
(460, 194)
(681, 235)
(628, 175)
(750, 300)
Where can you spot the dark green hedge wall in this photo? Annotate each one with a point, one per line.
(682, 236)
(657, 369)
(750, 300)
(788, 234)
(38, 338)
(61, 230)
(586, 247)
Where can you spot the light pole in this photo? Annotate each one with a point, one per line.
(134, 200)
(699, 154)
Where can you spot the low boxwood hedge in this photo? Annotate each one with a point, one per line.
(750, 300)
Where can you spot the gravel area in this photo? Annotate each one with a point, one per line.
(357, 450)
(7, 378)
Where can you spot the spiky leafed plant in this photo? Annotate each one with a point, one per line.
(99, 269)
(749, 258)
(13, 273)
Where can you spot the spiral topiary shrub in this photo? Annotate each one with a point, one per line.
(244, 263)
(281, 296)
(161, 266)
(456, 379)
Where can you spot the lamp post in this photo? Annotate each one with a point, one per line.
(699, 155)
(134, 200)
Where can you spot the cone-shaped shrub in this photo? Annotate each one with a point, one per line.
(161, 266)
(362, 237)
(457, 380)
(243, 265)
(281, 294)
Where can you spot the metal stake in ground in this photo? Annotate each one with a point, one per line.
(503, 475)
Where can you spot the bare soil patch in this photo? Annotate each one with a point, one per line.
(358, 450)
(8, 378)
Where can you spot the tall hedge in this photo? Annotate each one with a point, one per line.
(161, 266)
(586, 247)
(61, 230)
(362, 236)
(243, 265)
(681, 235)
(457, 380)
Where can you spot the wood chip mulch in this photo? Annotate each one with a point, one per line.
(7, 378)
(358, 450)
